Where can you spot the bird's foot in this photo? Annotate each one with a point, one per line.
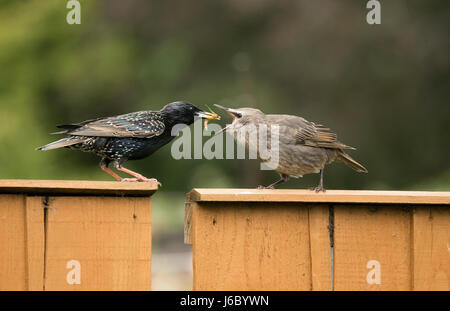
(265, 187)
(141, 179)
(138, 177)
(129, 180)
(318, 189)
(145, 179)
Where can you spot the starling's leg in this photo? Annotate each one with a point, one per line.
(138, 176)
(320, 186)
(284, 178)
(104, 166)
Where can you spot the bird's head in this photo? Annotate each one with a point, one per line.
(242, 114)
(185, 113)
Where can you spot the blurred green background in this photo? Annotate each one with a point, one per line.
(383, 88)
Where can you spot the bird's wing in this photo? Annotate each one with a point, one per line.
(317, 135)
(300, 131)
(143, 124)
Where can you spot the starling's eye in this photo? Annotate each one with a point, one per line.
(238, 115)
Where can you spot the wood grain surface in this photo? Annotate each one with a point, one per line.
(35, 243)
(431, 248)
(109, 237)
(368, 233)
(12, 243)
(241, 247)
(298, 240)
(330, 196)
(320, 247)
(108, 234)
(77, 187)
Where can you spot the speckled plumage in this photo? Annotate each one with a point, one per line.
(304, 147)
(131, 136)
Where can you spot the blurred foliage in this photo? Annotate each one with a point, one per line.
(384, 89)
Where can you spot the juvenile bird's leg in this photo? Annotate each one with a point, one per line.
(138, 176)
(284, 178)
(320, 186)
(104, 166)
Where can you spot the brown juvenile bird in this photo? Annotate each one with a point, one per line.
(304, 147)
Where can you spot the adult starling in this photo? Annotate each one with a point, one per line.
(131, 136)
(304, 147)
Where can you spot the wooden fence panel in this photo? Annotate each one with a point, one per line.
(69, 235)
(372, 248)
(320, 247)
(247, 239)
(248, 247)
(12, 242)
(109, 237)
(35, 243)
(431, 248)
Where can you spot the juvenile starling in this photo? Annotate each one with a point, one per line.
(131, 136)
(304, 147)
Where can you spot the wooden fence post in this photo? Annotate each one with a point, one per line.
(246, 239)
(75, 235)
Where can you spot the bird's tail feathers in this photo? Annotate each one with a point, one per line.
(68, 141)
(59, 133)
(348, 160)
(66, 128)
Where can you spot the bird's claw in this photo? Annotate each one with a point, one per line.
(318, 189)
(145, 179)
(264, 187)
(142, 179)
(153, 180)
(129, 180)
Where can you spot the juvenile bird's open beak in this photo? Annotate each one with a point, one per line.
(234, 114)
(208, 117)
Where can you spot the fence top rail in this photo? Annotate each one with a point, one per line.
(330, 196)
(77, 187)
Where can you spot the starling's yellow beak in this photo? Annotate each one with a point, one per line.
(208, 117)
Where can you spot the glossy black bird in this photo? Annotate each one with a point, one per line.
(304, 147)
(131, 136)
